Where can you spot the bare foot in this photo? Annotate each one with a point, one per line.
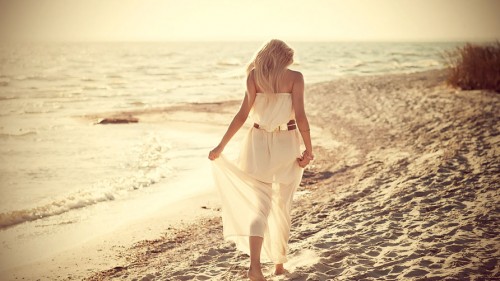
(279, 269)
(255, 274)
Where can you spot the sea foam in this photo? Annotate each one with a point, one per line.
(151, 167)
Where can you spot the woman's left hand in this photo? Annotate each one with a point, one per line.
(215, 153)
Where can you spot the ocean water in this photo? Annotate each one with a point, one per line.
(59, 169)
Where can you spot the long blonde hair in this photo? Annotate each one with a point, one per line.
(270, 64)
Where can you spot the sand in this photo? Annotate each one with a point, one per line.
(404, 187)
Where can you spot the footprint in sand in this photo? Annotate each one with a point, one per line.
(373, 253)
(325, 245)
(416, 272)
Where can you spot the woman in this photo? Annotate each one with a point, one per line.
(257, 191)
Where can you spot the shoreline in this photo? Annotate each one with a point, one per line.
(401, 188)
(103, 251)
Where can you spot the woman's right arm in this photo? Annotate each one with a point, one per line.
(300, 114)
(238, 120)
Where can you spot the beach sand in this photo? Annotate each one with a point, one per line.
(404, 187)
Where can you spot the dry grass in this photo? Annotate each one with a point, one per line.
(474, 66)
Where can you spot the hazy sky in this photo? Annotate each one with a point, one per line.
(172, 20)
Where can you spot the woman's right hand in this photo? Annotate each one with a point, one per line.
(305, 159)
(215, 153)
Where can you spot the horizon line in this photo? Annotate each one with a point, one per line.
(482, 40)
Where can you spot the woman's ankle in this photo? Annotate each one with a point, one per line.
(255, 265)
(279, 269)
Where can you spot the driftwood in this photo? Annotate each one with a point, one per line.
(117, 120)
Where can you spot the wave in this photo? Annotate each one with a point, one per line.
(405, 54)
(91, 88)
(353, 64)
(385, 66)
(30, 111)
(424, 64)
(54, 208)
(137, 103)
(428, 62)
(20, 134)
(237, 73)
(152, 73)
(37, 77)
(151, 166)
(229, 62)
(38, 108)
(9, 98)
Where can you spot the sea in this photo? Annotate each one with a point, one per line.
(61, 175)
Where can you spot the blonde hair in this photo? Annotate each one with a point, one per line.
(270, 64)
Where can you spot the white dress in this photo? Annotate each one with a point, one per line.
(257, 191)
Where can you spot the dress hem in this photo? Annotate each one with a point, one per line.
(230, 237)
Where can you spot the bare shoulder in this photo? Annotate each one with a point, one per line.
(295, 75)
(251, 75)
(250, 78)
(297, 80)
(251, 87)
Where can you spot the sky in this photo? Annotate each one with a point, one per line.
(249, 20)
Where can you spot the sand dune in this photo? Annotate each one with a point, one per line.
(405, 187)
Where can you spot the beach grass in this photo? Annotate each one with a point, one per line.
(474, 66)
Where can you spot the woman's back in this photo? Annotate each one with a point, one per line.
(270, 110)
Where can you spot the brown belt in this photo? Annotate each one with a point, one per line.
(290, 126)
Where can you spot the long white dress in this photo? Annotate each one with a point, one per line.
(257, 190)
